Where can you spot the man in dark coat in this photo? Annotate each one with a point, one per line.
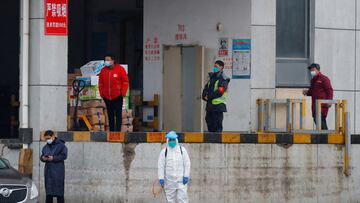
(215, 94)
(320, 88)
(53, 154)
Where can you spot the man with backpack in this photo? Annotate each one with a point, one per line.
(174, 170)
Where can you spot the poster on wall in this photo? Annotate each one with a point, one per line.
(223, 47)
(56, 17)
(241, 59)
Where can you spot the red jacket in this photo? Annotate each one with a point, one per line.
(113, 82)
(320, 89)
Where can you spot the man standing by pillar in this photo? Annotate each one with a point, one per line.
(215, 94)
(320, 88)
(113, 86)
(54, 153)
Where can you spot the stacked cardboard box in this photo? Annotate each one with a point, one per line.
(94, 110)
(127, 121)
(90, 103)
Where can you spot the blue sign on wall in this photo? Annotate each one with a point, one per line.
(241, 44)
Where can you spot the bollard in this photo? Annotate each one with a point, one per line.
(302, 114)
(347, 136)
(318, 115)
(26, 162)
(260, 103)
(337, 115)
(268, 112)
(289, 115)
(344, 109)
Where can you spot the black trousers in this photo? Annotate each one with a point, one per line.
(323, 121)
(49, 199)
(214, 121)
(114, 109)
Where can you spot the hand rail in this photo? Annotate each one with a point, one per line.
(266, 110)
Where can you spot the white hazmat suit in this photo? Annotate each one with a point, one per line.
(172, 168)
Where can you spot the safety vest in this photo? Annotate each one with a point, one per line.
(220, 100)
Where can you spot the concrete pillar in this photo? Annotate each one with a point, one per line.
(47, 75)
(338, 59)
(263, 53)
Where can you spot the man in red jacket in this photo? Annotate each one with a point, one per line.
(320, 89)
(113, 86)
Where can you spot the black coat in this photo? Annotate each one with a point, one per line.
(211, 94)
(55, 170)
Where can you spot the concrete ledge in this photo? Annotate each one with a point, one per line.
(25, 137)
(111, 172)
(198, 137)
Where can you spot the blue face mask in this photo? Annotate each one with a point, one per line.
(107, 63)
(172, 144)
(216, 69)
(49, 141)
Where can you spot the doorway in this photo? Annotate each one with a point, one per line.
(182, 87)
(10, 69)
(104, 27)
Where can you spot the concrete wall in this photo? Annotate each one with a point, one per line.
(336, 49)
(115, 172)
(200, 17)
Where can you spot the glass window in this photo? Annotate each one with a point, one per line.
(292, 43)
(291, 29)
(2, 164)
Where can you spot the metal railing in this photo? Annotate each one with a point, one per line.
(267, 108)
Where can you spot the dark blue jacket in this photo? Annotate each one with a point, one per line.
(55, 170)
(209, 92)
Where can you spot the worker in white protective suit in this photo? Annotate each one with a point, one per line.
(174, 170)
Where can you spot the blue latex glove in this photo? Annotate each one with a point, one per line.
(162, 182)
(185, 180)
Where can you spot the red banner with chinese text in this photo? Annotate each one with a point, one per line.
(56, 17)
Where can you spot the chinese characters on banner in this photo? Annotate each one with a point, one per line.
(152, 50)
(223, 47)
(56, 17)
(241, 58)
(181, 33)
